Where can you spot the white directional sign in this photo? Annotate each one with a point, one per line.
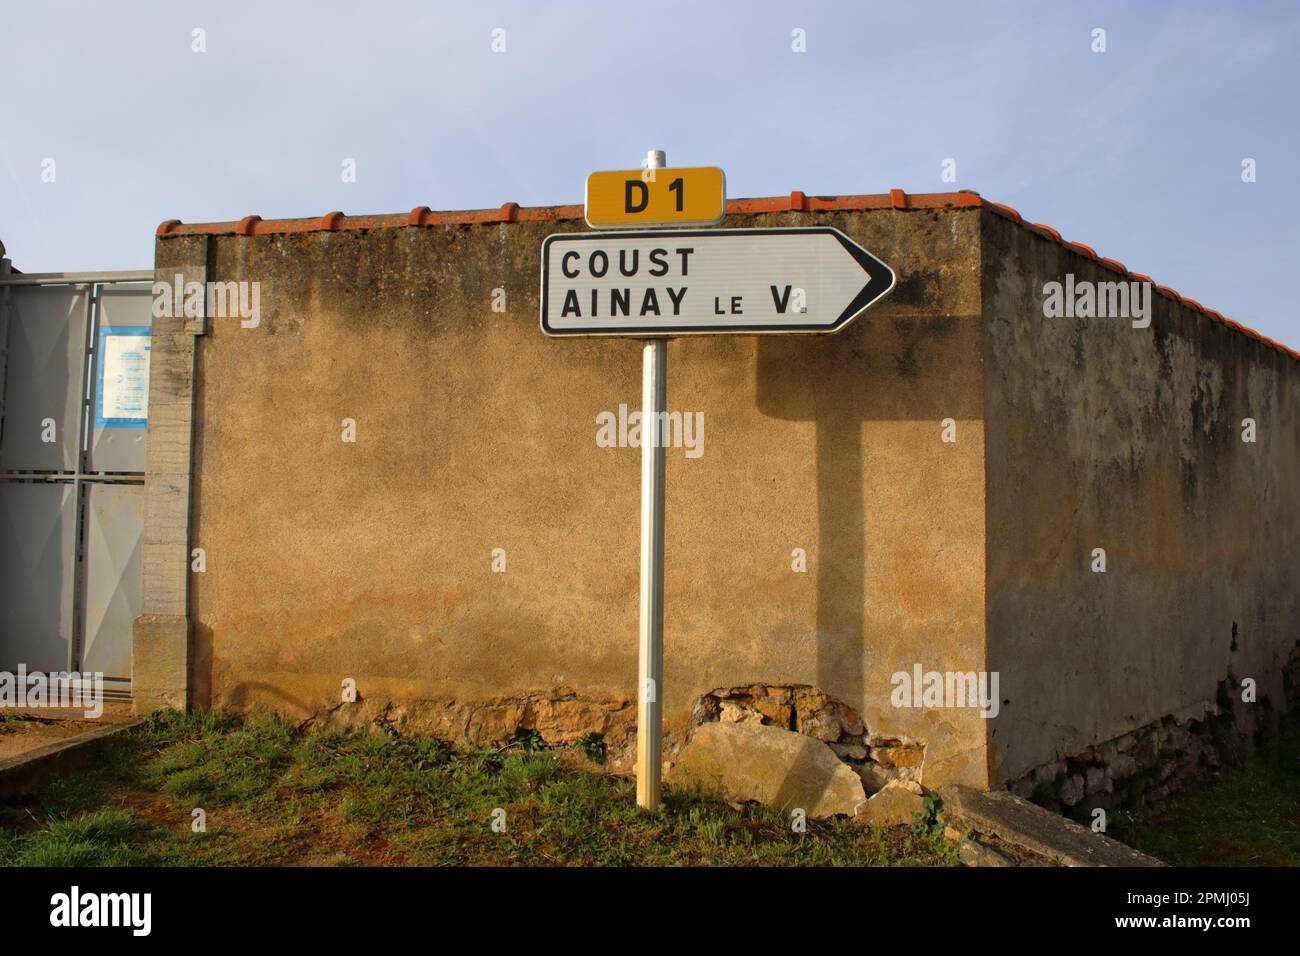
(687, 282)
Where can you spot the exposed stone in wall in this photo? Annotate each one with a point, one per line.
(560, 716)
(878, 757)
(1151, 762)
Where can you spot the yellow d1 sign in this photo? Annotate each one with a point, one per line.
(641, 198)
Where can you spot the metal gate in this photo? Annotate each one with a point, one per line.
(74, 390)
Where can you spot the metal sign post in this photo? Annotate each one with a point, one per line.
(649, 735)
(650, 655)
(667, 280)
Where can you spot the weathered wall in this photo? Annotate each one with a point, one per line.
(371, 560)
(1101, 435)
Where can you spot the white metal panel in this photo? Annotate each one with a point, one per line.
(44, 377)
(38, 539)
(114, 529)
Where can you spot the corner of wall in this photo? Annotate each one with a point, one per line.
(161, 652)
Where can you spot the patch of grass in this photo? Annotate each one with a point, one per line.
(10, 841)
(69, 793)
(107, 837)
(276, 795)
(117, 759)
(1246, 817)
(221, 764)
(527, 774)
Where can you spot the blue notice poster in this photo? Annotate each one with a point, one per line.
(122, 382)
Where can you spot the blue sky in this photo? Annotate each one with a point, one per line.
(1136, 151)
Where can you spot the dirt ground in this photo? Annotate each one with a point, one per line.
(25, 730)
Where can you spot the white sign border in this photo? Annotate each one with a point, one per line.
(675, 331)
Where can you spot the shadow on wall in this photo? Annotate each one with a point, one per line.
(885, 367)
(249, 694)
(200, 664)
(202, 653)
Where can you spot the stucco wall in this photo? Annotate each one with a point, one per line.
(328, 560)
(1101, 435)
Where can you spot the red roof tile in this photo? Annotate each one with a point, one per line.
(796, 201)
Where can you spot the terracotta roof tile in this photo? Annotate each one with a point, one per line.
(796, 202)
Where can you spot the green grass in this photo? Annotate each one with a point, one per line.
(277, 796)
(104, 837)
(1247, 817)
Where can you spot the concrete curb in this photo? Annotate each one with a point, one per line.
(25, 773)
(1029, 827)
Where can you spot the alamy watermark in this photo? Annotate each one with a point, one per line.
(1085, 299)
(673, 430)
(921, 688)
(70, 689)
(217, 300)
(132, 911)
